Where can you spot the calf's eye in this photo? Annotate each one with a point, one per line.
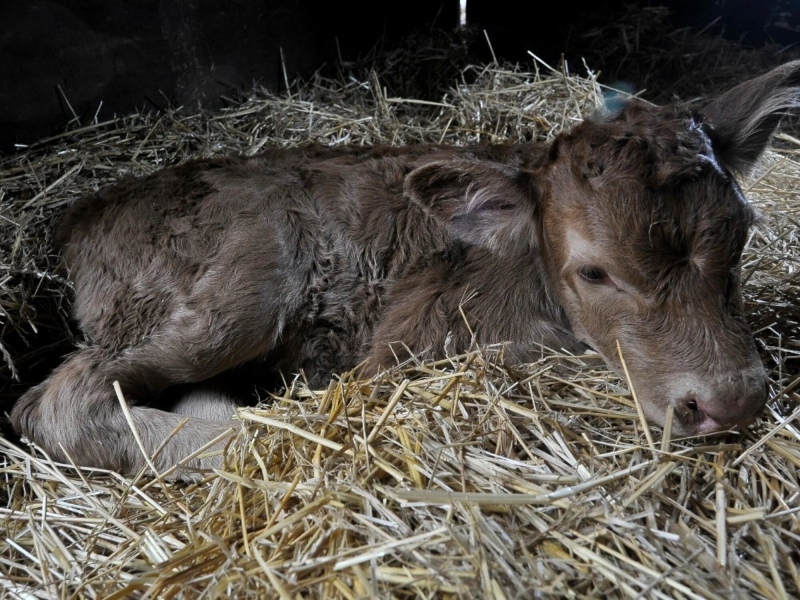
(593, 274)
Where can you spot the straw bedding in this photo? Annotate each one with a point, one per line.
(455, 479)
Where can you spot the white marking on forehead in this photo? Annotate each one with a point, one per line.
(708, 156)
(579, 248)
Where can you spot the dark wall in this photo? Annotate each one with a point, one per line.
(516, 27)
(74, 60)
(62, 58)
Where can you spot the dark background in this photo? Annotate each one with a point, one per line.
(68, 62)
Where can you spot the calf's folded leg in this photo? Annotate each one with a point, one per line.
(75, 415)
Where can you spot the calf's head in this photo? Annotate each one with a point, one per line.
(641, 228)
(645, 230)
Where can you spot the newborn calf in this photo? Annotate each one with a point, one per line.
(626, 229)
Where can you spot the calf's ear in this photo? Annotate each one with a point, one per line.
(743, 119)
(481, 203)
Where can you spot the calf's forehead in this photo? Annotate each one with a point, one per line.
(646, 176)
(692, 212)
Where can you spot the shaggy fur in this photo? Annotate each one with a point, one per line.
(628, 228)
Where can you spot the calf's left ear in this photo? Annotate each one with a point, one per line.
(743, 119)
(481, 203)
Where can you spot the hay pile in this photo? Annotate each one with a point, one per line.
(455, 479)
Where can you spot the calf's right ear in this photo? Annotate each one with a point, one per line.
(481, 203)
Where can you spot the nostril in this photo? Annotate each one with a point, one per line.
(695, 414)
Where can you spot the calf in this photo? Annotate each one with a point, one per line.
(627, 229)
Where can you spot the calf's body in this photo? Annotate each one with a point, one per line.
(626, 230)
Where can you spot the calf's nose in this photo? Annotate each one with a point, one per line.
(720, 403)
